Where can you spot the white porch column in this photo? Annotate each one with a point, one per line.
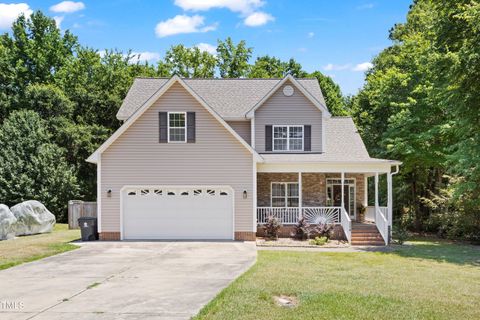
(343, 196)
(365, 190)
(300, 196)
(376, 193)
(389, 201)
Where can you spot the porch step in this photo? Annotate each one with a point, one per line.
(366, 235)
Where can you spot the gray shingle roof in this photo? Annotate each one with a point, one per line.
(343, 144)
(230, 98)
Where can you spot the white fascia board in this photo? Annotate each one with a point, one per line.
(325, 113)
(93, 158)
(348, 167)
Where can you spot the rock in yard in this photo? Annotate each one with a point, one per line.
(7, 222)
(286, 301)
(32, 217)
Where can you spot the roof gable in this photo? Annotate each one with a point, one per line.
(230, 98)
(296, 84)
(153, 98)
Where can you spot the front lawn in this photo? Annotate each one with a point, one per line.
(422, 280)
(29, 248)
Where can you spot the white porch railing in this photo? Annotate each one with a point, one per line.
(346, 224)
(370, 213)
(285, 215)
(312, 215)
(382, 222)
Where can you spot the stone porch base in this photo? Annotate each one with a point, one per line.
(286, 232)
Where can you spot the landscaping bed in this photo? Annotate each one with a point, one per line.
(290, 242)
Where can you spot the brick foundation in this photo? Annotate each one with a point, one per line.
(286, 232)
(109, 236)
(245, 236)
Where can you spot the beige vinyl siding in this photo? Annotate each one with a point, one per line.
(282, 110)
(242, 128)
(137, 158)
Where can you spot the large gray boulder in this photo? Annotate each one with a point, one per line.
(7, 223)
(32, 217)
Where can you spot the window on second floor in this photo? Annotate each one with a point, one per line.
(177, 127)
(287, 138)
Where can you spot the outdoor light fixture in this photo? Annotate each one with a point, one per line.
(244, 194)
(109, 193)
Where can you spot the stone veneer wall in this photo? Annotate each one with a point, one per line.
(313, 185)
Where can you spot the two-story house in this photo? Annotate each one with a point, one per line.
(213, 158)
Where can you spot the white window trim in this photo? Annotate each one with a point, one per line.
(168, 126)
(286, 193)
(288, 137)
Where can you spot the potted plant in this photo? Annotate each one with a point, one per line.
(361, 213)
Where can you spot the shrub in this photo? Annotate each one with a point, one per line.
(322, 230)
(301, 230)
(319, 241)
(271, 227)
(400, 233)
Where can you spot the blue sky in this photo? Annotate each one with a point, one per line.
(338, 38)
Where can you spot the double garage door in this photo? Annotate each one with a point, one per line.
(177, 213)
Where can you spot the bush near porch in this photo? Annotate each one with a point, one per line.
(421, 280)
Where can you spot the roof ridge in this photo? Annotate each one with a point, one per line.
(276, 79)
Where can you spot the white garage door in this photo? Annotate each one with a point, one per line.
(178, 213)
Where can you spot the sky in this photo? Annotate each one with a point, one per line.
(337, 37)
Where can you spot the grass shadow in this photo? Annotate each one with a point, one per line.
(439, 250)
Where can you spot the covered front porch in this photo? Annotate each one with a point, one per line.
(338, 198)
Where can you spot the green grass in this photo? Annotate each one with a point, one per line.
(421, 280)
(29, 248)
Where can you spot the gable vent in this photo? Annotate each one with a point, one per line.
(288, 91)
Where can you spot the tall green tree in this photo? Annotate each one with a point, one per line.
(233, 58)
(32, 167)
(190, 62)
(332, 94)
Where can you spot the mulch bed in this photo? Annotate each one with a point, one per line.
(289, 242)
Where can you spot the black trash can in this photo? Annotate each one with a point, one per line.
(88, 228)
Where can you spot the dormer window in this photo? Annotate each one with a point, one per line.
(287, 138)
(177, 127)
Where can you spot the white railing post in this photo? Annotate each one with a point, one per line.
(389, 203)
(300, 196)
(365, 191)
(376, 191)
(343, 196)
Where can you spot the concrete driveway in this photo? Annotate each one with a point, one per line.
(123, 280)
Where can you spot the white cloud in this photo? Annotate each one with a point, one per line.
(337, 67)
(302, 49)
(348, 66)
(242, 6)
(366, 6)
(248, 9)
(58, 21)
(363, 66)
(207, 47)
(182, 24)
(258, 19)
(311, 34)
(67, 7)
(10, 12)
(145, 56)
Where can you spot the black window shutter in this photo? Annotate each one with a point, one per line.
(163, 127)
(268, 138)
(190, 127)
(307, 140)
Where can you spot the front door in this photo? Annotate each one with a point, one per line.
(334, 195)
